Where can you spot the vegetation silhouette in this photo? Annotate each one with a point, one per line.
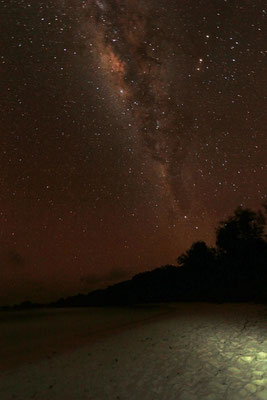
(234, 270)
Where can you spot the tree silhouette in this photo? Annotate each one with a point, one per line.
(198, 256)
(198, 264)
(242, 253)
(243, 228)
(236, 270)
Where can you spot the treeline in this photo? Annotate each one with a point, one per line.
(234, 270)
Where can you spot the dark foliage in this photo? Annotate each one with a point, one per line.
(236, 270)
(242, 255)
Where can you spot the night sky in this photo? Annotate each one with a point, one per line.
(129, 129)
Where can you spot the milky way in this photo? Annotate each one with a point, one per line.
(129, 129)
(136, 55)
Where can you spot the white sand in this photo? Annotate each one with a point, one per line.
(176, 351)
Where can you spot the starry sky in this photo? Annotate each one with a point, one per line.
(129, 129)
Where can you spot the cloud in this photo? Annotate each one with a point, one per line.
(95, 281)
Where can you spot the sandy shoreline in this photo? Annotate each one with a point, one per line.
(177, 351)
(29, 336)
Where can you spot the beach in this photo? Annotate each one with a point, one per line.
(183, 351)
